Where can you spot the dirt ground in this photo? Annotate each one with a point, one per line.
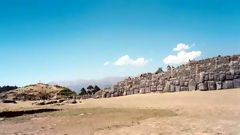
(183, 113)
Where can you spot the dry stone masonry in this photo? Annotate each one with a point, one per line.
(209, 74)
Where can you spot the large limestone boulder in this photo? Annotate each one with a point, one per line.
(211, 85)
(186, 84)
(184, 88)
(236, 83)
(192, 85)
(147, 89)
(142, 91)
(177, 88)
(176, 82)
(153, 88)
(172, 88)
(222, 77)
(219, 85)
(201, 77)
(159, 88)
(228, 85)
(211, 76)
(206, 77)
(167, 87)
(136, 91)
(202, 86)
(229, 76)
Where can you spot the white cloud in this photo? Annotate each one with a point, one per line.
(182, 56)
(126, 61)
(181, 47)
(106, 63)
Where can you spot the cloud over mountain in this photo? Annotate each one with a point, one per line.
(182, 55)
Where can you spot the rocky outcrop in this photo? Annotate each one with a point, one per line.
(209, 74)
(39, 91)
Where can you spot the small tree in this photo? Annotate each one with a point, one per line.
(90, 87)
(83, 92)
(96, 89)
(160, 70)
(90, 90)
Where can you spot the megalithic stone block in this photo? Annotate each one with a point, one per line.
(159, 88)
(142, 90)
(228, 85)
(192, 85)
(184, 88)
(211, 85)
(167, 87)
(172, 88)
(222, 77)
(202, 86)
(211, 76)
(219, 85)
(236, 83)
(201, 77)
(177, 88)
(229, 76)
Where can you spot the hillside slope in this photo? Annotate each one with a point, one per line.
(38, 91)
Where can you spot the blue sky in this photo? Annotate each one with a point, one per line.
(52, 40)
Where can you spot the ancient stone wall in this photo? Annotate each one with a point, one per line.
(209, 74)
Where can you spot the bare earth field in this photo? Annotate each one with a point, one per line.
(183, 113)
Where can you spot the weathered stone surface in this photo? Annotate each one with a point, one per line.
(147, 90)
(178, 88)
(124, 93)
(236, 76)
(172, 88)
(211, 85)
(186, 84)
(167, 87)
(222, 77)
(202, 86)
(237, 72)
(38, 91)
(192, 85)
(159, 88)
(153, 88)
(228, 85)
(206, 77)
(177, 82)
(208, 74)
(142, 91)
(184, 88)
(135, 91)
(229, 76)
(219, 85)
(211, 76)
(236, 83)
(201, 77)
(108, 95)
(216, 77)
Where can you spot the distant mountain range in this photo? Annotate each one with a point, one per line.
(77, 85)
